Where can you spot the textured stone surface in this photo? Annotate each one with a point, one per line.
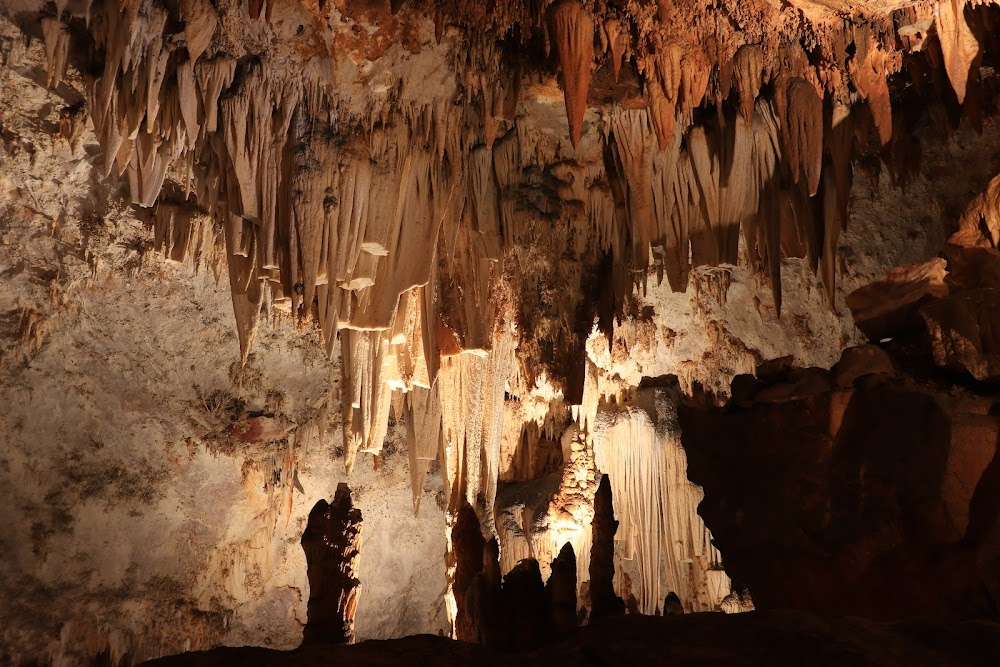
(840, 500)
(859, 361)
(887, 307)
(964, 332)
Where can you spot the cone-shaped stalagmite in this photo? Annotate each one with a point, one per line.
(603, 599)
(467, 544)
(560, 591)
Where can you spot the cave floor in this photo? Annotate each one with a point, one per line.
(754, 638)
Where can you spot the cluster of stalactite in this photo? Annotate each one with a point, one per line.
(417, 230)
(639, 448)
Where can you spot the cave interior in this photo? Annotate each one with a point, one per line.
(584, 332)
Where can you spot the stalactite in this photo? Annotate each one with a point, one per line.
(244, 283)
(765, 229)
(958, 44)
(573, 32)
(185, 236)
(200, 22)
(802, 130)
(56, 48)
(471, 391)
(664, 91)
(423, 428)
(870, 76)
(617, 43)
(839, 137)
(634, 150)
(748, 77)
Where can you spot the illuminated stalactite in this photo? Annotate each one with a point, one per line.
(638, 447)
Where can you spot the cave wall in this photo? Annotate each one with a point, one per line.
(146, 511)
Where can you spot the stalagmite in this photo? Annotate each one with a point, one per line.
(466, 553)
(332, 542)
(603, 600)
(524, 603)
(560, 591)
(672, 605)
(573, 33)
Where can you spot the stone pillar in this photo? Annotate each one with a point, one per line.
(332, 542)
(603, 600)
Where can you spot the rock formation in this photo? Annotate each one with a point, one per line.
(872, 482)
(882, 470)
(603, 601)
(332, 542)
(737, 639)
